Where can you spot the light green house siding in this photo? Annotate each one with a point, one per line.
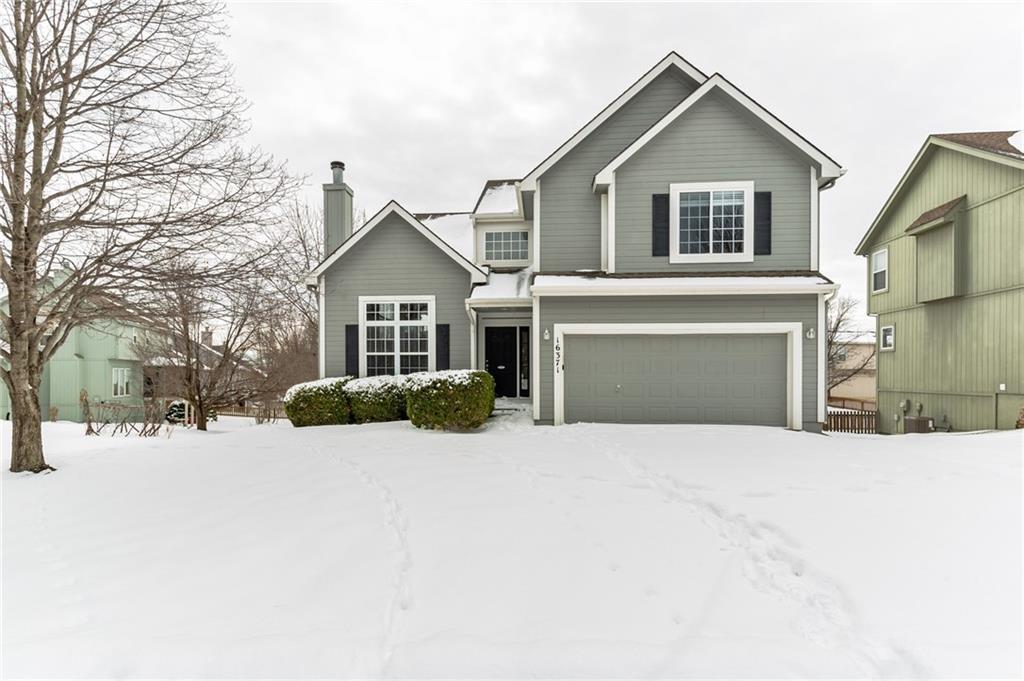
(86, 360)
(955, 296)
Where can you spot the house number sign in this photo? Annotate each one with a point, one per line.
(558, 355)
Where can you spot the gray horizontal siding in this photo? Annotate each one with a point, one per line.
(392, 260)
(713, 142)
(679, 309)
(570, 211)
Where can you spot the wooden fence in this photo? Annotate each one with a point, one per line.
(850, 403)
(852, 422)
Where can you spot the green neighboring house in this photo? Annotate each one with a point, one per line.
(945, 273)
(99, 358)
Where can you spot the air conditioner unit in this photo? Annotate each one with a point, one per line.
(918, 424)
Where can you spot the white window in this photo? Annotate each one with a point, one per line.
(507, 246)
(396, 335)
(122, 381)
(711, 222)
(880, 271)
(887, 338)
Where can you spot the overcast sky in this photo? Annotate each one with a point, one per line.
(425, 101)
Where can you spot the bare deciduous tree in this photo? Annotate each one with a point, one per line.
(207, 351)
(841, 335)
(120, 157)
(289, 341)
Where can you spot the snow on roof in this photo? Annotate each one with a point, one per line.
(1016, 140)
(455, 229)
(505, 286)
(498, 197)
(551, 282)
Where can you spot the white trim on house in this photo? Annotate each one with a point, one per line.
(822, 363)
(882, 347)
(604, 232)
(711, 188)
(536, 226)
(610, 235)
(876, 271)
(815, 188)
(830, 169)
(501, 228)
(535, 359)
(322, 323)
(477, 275)
(477, 303)
(471, 313)
(928, 143)
(396, 323)
(528, 183)
(580, 285)
(794, 356)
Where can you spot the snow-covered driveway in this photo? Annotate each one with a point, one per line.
(580, 551)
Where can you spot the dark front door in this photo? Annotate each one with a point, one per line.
(500, 358)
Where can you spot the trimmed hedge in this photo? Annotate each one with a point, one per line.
(376, 399)
(318, 403)
(450, 400)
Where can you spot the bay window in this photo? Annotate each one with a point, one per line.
(396, 334)
(711, 222)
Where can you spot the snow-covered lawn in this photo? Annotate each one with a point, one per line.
(580, 551)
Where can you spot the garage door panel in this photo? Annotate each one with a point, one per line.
(728, 379)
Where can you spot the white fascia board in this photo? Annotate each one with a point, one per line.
(529, 182)
(829, 168)
(930, 142)
(642, 287)
(478, 275)
(499, 302)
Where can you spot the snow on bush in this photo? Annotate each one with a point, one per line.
(450, 400)
(375, 399)
(318, 403)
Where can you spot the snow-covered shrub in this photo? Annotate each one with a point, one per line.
(379, 398)
(450, 400)
(175, 414)
(318, 403)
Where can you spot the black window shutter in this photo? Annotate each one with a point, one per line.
(443, 354)
(352, 349)
(659, 224)
(762, 223)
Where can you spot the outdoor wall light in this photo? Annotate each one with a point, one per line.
(547, 335)
(810, 333)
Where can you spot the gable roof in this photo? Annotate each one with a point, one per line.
(672, 60)
(830, 169)
(991, 146)
(393, 207)
(997, 142)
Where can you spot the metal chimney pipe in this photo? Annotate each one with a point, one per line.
(338, 170)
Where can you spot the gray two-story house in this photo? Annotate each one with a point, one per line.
(660, 266)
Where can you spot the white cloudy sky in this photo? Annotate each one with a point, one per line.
(425, 101)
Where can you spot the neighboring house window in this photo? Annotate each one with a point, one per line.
(397, 335)
(842, 354)
(880, 271)
(888, 338)
(711, 222)
(506, 245)
(122, 382)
